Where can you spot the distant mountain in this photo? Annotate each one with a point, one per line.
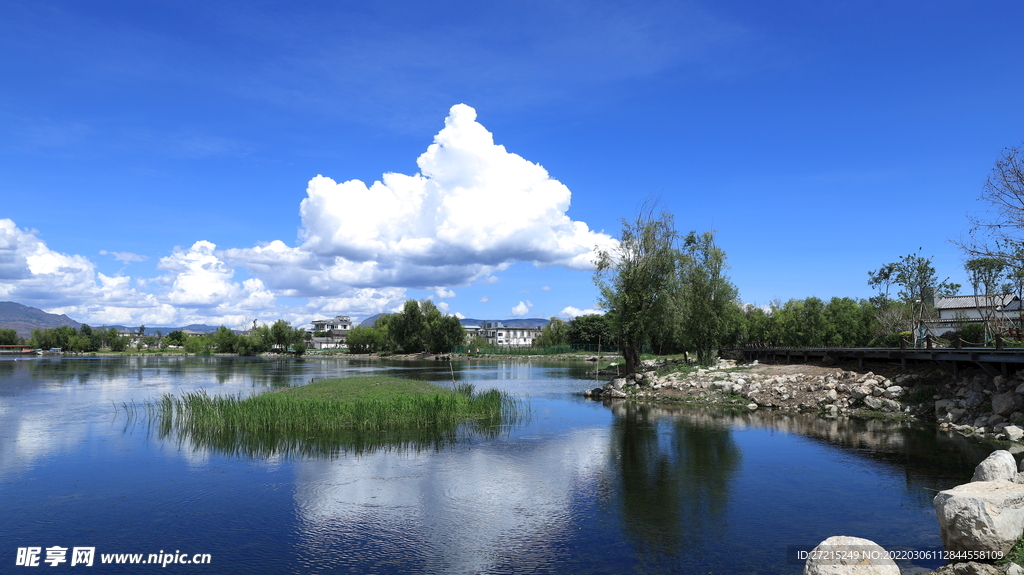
(531, 322)
(23, 319)
(368, 322)
(534, 322)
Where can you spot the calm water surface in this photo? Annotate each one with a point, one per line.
(582, 487)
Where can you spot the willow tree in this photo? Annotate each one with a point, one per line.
(636, 280)
(705, 295)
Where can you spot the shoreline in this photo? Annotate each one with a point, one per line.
(975, 404)
(924, 393)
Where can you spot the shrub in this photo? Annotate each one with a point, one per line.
(973, 334)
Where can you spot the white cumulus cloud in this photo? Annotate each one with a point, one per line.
(472, 210)
(570, 312)
(443, 293)
(521, 309)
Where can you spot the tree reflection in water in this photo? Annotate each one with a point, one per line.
(674, 476)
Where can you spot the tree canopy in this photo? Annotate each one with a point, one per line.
(666, 295)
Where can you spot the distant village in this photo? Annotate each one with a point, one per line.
(331, 333)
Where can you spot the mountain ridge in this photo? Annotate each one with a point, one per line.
(23, 319)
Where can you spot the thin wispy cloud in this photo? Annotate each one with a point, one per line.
(126, 257)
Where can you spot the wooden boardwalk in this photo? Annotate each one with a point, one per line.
(993, 361)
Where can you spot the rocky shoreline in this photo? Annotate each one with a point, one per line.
(986, 514)
(975, 404)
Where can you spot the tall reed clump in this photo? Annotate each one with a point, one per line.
(356, 411)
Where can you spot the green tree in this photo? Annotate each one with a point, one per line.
(590, 329)
(115, 341)
(635, 280)
(445, 333)
(223, 340)
(919, 284)
(850, 323)
(429, 325)
(985, 275)
(365, 339)
(706, 297)
(9, 337)
(556, 332)
(248, 345)
(198, 344)
(882, 279)
(408, 328)
(760, 325)
(281, 335)
(50, 338)
(386, 324)
(176, 337)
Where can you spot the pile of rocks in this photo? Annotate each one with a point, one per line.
(975, 405)
(984, 405)
(835, 392)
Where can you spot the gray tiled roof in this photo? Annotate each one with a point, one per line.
(969, 301)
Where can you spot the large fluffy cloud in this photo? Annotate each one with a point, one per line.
(473, 209)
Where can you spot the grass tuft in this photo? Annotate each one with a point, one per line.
(327, 415)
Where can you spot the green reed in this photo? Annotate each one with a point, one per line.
(331, 415)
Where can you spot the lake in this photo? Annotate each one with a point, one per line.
(580, 487)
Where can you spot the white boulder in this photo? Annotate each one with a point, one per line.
(856, 556)
(1000, 466)
(981, 515)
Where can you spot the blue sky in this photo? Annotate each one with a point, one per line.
(159, 161)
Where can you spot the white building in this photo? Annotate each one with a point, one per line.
(954, 311)
(472, 331)
(332, 332)
(497, 334)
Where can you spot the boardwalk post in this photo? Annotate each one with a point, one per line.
(903, 342)
(999, 341)
(957, 343)
(928, 341)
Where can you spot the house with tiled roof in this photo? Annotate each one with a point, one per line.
(952, 312)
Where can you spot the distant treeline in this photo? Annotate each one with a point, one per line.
(277, 337)
(811, 322)
(83, 339)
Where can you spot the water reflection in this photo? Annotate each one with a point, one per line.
(583, 488)
(507, 506)
(277, 445)
(674, 479)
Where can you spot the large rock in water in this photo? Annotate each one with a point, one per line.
(858, 556)
(981, 516)
(1005, 403)
(1000, 466)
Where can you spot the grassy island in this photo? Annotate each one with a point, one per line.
(354, 411)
